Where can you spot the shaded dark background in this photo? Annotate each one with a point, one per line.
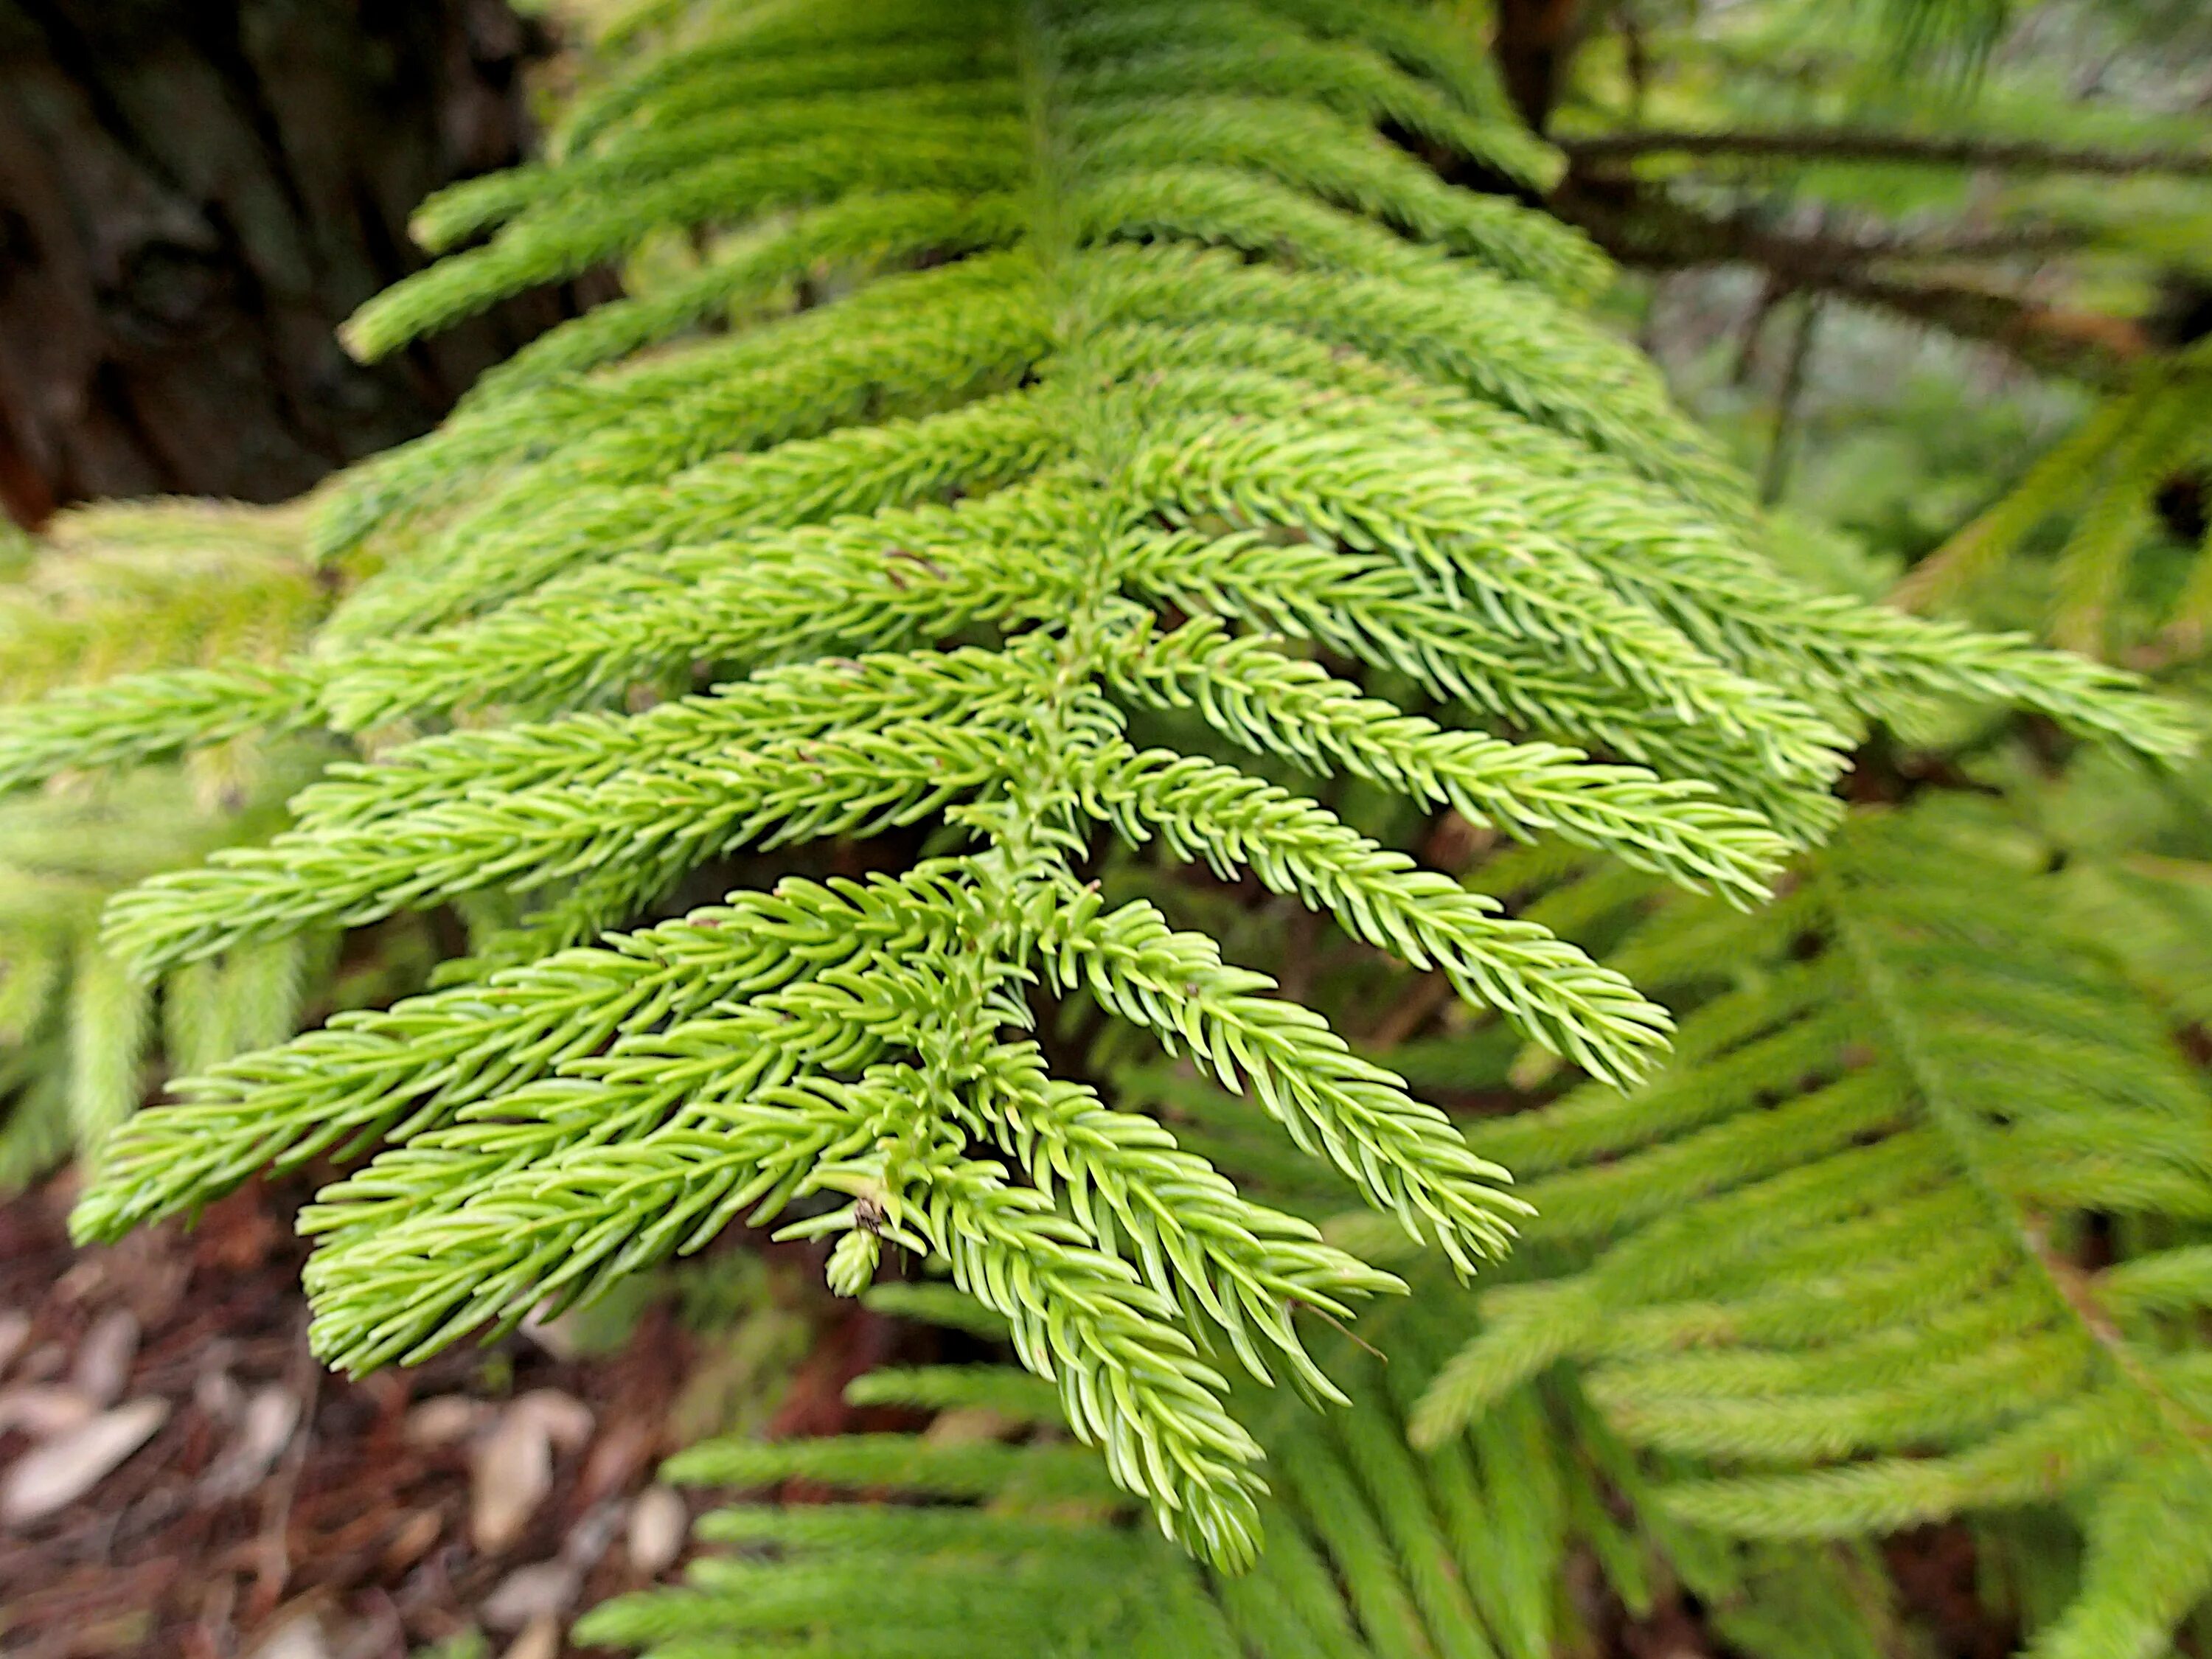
(193, 193)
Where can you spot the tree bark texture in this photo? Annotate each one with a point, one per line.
(193, 193)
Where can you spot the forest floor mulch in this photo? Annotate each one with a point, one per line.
(279, 1510)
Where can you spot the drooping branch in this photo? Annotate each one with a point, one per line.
(1645, 226)
(1911, 149)
(1642, 224)
(1774, 475)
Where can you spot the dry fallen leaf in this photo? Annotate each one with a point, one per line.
(528, 1594)
(541, 1641)
(63, 1469)
(556, 1336)
(103, 1359)
(512, 1473)
(411, 1542)
(444, 1420)
(657, 1523)
(568, 1420)
(43, 1410)
(14, 1332)
(216, 1392)
(295, 1638)
(271, 1414)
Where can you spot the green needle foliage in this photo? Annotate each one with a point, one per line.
(2133, 851)
(77, 1032)
(1815, 1282)
(1046, 370)
(1832, 1255)
(121, 587)
(1015, 1542)
(106, 591)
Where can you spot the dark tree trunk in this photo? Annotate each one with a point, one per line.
(1535, 39)
(193, 193)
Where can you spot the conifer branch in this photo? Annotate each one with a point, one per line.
(1067, 349)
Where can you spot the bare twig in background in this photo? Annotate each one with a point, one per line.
(1846, 144)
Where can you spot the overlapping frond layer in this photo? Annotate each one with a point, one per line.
(1833, 1257)
(2133, 864)
(104, 592)
(1043, 366)
(1018, 1546)
(77, 1030)
(123, 588)
(139, 630)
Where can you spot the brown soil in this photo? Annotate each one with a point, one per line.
(356, 1521)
